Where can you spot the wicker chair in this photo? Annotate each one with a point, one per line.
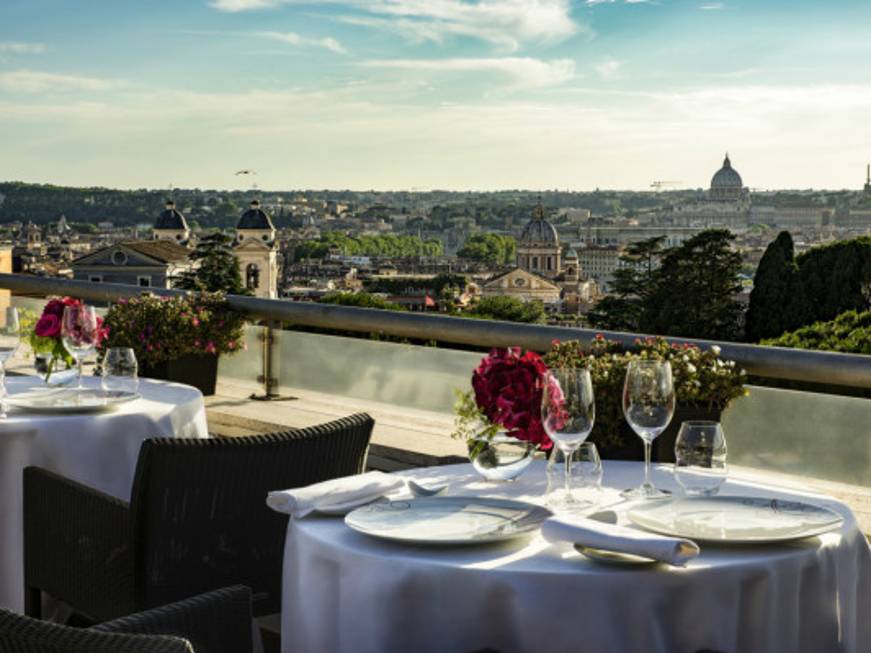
(217, 622)
(197, 520)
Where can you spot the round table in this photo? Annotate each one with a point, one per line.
(344, 591)
(97, 449)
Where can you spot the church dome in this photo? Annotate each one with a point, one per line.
(726, 177)
(571, 253)
(255, 218)
(539, 230)
(171, 218)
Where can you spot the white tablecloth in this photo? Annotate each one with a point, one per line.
(99, 450)
(344, 591)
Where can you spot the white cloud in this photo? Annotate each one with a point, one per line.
(712, 6)
(506, 23)
(34, 81)
(609, 69)
(292, 38)
(19, 47)
(524, 72)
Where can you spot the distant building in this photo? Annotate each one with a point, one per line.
(600, 263)
(727, 204)
(171, 225)
(525, 286)
(868, 181)
(257, 251)
(145, 263)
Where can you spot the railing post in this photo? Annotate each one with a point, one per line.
(267, 355)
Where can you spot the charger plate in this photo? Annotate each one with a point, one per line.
(735, 520)
(448, 520)
(69, 400)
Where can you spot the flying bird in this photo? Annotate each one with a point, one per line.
(247, 172)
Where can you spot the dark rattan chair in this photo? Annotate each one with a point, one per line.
(197, 520)
(217, 622)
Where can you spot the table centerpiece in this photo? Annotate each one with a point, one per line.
(53, 362)
(500, 418)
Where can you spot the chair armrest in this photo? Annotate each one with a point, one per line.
(77, 544)
(214, 622)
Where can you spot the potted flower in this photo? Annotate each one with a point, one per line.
(46, 342)
(176, 338)
(704, 386)
(500, 418)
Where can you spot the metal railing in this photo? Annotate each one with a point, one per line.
(821, 367)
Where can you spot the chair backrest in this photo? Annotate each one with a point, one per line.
(199, 513)
(20, 634)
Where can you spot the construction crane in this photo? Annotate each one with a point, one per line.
(659, 184)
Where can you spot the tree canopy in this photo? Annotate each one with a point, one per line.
(621, 310)
(489, 248)
(216, 268)
(509, 309)
(384, 245)
(776, 296)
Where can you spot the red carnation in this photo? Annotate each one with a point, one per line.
(48, 326)
(508, 387)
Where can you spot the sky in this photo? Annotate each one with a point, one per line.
(434, 94)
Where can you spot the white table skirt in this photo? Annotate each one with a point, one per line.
(99, 450)
(343, 591)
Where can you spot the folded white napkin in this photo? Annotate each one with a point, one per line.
(610, 537)
(334, 495)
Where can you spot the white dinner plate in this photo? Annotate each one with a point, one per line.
(69, 400)
(738, 520)
(447, 520)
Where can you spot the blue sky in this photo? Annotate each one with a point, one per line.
(457, 94)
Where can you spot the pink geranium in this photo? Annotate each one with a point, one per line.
(508, 389)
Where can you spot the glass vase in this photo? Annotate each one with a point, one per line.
(501, 457)
(53, 371)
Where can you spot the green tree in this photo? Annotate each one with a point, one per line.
(776, 295)
(834, 278)
(215, 269)
(508, 309)
(621, 310)
(489, 248)
(360, 300)
(693, 290)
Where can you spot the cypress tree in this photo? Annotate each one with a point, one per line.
(776, 296)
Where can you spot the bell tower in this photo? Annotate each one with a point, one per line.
(256, 250)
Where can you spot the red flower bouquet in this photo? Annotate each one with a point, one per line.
(507, 388)
(46, 336)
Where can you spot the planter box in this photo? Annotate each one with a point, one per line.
(662, 450)
(198, 370)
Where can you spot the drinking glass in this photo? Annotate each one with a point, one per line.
(700, 458)
(120, 370)
(590, 467)
(648, 405)
(79, 335)
(568, 411)
(10, 337)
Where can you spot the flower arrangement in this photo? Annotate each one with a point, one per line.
(701, 378)
(46, 335)
(166, 328)
(506, 396)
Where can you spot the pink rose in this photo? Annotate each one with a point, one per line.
(48, 326)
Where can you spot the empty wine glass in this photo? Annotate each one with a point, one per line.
(568, 411)
(120, 370)
(700, 457)
(10, 338)
(79, 334)
(648, 405)
(589, 465)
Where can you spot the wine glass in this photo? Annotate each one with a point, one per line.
(700, 458)
(79, 334)
(120, 370)
(648, 405)
(10, 337)
(568, 411)
(590, 466)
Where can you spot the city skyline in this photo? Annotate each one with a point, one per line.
(448, 94)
